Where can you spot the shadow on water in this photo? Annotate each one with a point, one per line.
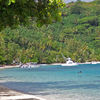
(36, 87)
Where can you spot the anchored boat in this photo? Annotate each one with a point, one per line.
(69, 62)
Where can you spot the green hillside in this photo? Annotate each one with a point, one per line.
(76, 36)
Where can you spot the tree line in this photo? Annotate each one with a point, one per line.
(76, 36)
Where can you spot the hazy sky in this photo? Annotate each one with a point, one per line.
(76, 0)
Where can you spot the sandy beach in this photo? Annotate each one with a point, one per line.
(8, 94)
(8, 66)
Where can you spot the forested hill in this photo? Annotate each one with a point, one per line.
(76, 36)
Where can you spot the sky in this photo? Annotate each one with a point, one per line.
(67, 1)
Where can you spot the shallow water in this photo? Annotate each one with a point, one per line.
(55, 82)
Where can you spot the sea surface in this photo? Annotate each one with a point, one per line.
(53, 82)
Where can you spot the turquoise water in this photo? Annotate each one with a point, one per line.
(55, 82)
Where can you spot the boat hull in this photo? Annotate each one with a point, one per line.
(75, 64)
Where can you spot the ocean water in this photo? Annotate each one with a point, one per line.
(55, 82)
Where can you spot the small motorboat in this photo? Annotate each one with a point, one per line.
(69, 62)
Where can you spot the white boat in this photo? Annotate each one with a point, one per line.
(30, 65)
(94, 62)
(69, 62)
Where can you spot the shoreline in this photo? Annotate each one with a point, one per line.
(17, 66)
(9, 66)
(9, 94)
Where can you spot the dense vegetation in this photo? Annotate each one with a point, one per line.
(21, 12)
(76, 36)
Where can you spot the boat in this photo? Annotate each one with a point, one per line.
(69, 62)
(30, 65)
(33, 65)
(94, 62)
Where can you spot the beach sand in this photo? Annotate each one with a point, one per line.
(8, 94)
(8, 66)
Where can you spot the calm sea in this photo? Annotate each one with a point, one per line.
(80, 82)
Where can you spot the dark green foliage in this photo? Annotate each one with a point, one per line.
(77, 8)
(92, 20)
(21, 12)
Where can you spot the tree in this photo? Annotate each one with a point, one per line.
(16, 12)
(77, 8)
(2, 49)
(78, 37)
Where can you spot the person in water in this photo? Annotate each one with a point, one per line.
(80, 72)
